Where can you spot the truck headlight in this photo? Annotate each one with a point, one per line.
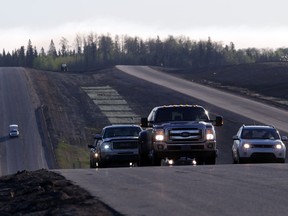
(159, 135)
(278, 146)
(210, 135)
(246, 146)
(106, 145)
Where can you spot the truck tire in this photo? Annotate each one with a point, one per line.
(211, 160)
(93, 164)
(143, 148)
(144, 160)
(155, 160)
(282, 160)
(101, 164)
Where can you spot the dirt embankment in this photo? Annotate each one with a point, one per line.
(71, 118)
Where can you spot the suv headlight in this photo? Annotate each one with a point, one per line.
(159, 135)
(278, 146)
(210, 134)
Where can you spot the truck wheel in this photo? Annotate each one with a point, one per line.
(241, 161)
(144, 160)
(155, 160)
(211, 160)
(282, 160)
(101, 164)
(92, 164)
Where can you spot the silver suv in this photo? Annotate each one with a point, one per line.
(116, 145)
(258, 143)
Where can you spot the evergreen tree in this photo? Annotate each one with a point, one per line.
(29, 54)
(64, 46)
(21, 56)
(52, 49)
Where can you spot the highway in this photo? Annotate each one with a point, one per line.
(246, 189)
(230, 102)
(18, 107)
(225, 189)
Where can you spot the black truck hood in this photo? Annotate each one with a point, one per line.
(181, 124)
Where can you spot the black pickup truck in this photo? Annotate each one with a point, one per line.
(178, 132)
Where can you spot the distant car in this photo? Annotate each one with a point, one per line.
(258, 143)
(13, 130)
(116, 145)
(64, 67)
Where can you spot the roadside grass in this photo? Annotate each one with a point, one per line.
(71, 157)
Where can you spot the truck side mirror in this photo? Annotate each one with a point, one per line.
(97, 137)
(144, 122)
(218, 121)
(90, 146)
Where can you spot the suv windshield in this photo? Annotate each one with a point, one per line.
(259, 133)
(181, 114)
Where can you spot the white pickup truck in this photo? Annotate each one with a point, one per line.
(13, 130)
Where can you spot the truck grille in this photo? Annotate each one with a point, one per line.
(125, 144)
(184, 134)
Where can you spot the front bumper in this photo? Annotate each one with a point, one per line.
(119, 157)
(200, 151)
(14, 134)
(267, 155)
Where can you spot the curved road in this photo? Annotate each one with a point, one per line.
(233, 103)
(24, 152)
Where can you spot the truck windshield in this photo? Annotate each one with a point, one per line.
(122, 132)
(181, 114)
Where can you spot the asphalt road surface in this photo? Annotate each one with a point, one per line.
(249, 189)
(16, 106)
(230, 102)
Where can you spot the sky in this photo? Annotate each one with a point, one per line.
(246, 23)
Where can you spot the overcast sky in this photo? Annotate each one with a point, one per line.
(246, 23)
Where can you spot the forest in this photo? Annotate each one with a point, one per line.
(93, 51)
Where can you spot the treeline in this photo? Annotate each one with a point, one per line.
(95, 51)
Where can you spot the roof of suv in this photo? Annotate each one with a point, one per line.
(258, 126)
(178, 105)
